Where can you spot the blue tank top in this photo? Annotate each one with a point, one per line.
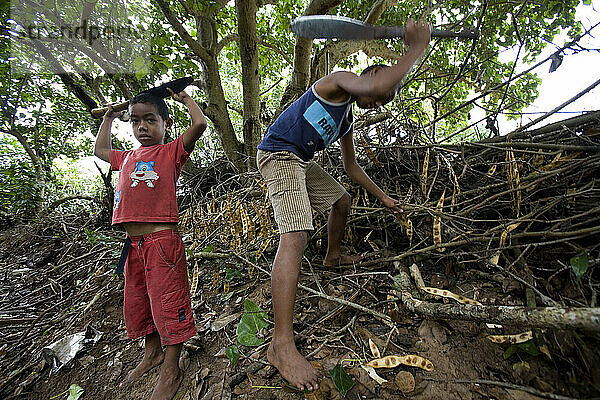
(310, 124)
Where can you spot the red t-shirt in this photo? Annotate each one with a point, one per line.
(147, 182)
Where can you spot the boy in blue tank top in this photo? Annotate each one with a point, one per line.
(296, 184)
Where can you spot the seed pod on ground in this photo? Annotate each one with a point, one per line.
(394, 361)
(513, 339)
(374, 349)
(450, 295)
(437, 222)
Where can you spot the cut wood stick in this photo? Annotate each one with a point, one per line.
(416, 275)
(91, 253)
(539, 317)
(374, 313)
(359, 307)
(308, 331)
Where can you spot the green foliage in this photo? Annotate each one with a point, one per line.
(19, 186)
(579, 264)
(74, 391)
(528, 347)
(231, 274)
(252, 321)
(233, 353)
(343, 382)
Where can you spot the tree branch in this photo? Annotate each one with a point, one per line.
(181, 31)
(538, 317)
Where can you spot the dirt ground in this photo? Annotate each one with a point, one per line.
(466, 364)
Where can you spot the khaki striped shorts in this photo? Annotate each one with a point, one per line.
(294, 187)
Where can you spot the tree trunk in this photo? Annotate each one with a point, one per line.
(302, 52)
(246, 15)
(217, 112)
(205, 49)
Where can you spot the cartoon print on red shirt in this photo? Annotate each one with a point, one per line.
(144, 171)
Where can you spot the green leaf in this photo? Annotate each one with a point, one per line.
(587, 2)
(579, 264)
(141, 69)
(249, 339)
(253, 320)
(75, 392)
(528, 347)
(233, 353)
(231, 274)
(250, 306)
(343, 381)
(188, 252)
(251, 323)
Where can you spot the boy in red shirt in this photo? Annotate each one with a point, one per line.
(157, 301)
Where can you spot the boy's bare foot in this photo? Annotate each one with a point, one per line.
(342, 260)
(169, 381)
(293, 367)
(147, 363)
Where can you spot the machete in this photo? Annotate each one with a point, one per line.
(344, 28)
(159, 91)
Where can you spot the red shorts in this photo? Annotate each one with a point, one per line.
(157, 290)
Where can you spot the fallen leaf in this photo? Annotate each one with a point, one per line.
(223, 322)
(343, 382)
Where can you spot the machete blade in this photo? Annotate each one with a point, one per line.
(330, 27)
(176, 86)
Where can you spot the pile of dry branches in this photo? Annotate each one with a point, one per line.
(522, 205)
(53, 273)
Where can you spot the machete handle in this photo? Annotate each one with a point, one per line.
(99, 112)
(390, 32)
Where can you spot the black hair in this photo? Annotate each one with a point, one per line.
(147, 98)
(371, 67)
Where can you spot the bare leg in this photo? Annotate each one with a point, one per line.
(153, 355)
(282, 352)
(336, 225)
(170, 376)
